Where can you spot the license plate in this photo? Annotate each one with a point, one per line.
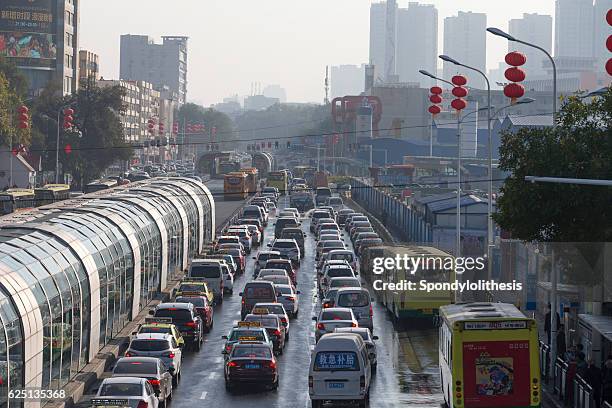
(252, 366)
(335, 385)
(428, 311)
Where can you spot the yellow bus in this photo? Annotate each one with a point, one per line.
(417, 302)
(15, 199)
(235, 186)
(279, 180)
(488, 356)
(252, 179)
(51, 193)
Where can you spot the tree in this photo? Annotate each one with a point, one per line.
(13, 88)
(191, 113)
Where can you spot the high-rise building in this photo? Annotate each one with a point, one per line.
(602, 31)
(347, 80)
(89, 66)
(378, 33)
(275, 91)
(465, 40)
(574, 28)
(41, 38)
(417, 42)
(390, 37)
(160, 64)
(536, 29)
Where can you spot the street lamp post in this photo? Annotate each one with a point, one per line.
(432, 76)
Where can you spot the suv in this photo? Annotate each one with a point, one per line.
(283, 264)
(288, 248)
(282, 223)
(263, 257)
(322, 194)
(211, 271)
(255, 292)
(297, 234)
(158, 345)
(316, 216)
(186, 318)
(253, 211)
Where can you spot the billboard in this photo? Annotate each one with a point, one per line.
(28, 32)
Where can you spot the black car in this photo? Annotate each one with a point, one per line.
(251, 363)
(186, 318)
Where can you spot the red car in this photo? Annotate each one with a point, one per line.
(201, 305)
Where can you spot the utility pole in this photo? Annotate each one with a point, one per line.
(326, 85)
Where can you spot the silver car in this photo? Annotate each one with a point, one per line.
(150, 368)
(289, 298)
(134, 391)
(160, 345)
(331, 318)
(358, 299)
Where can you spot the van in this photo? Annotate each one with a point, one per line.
(359, 300)
(211, 272)
(340, 370)
(256, 292)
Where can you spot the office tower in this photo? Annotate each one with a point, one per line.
(465, 40)
(574, 28)
(535, 29)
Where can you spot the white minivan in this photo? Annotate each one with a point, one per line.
(340, 370)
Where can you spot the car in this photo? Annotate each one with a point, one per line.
(264, 273)
(320, 221)
(279, 310)
(327, 299)
(334, 269)
(321, 194)
(367, 243)
(263, 257)
(186, 318)
(238, 255)
(251, 363)
(342, 254)
(288, 248)
(362, 235)
(343, 214)
(211, 271)
(256, 234)
(283, 264)
(270, 190)
(228, 279)
(252, 221)
(245, 331)
(226, 239)
(325, 246)
(243, 233)
(276, 279)
(359, 228)
(201, 305)
(329, 235)
(282, 223)
(161, 325)
(237, 246)
(330, 210)
(359, 300)
(343, 282)
(195, 285)
(253, 211)
(138, 392)
(333, 317)
(229, 260)
(255, 292)
(357, 222)
(158, 345)
(327, 226)
(315, 216)
(368, 339)
(149, 368)
(356, 217)
(288, 214)
(298, 235)
(335, 202)
(272, 324)
(294, 211)
(289, 297)
(340, 371)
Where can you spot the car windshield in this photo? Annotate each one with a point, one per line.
(358, 299)
(196, 301)
(149, 345)
(135, 367)
(251, 352)
(121, 390)
(336, 315)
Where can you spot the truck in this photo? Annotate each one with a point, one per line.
(320, 179)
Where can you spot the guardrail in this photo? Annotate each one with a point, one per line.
(235, 216)
(544, 361)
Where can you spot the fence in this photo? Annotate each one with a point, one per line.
(569, 387)
(397, 217)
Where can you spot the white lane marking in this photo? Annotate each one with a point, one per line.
(204, 394)
(213, 375)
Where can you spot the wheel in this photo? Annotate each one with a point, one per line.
(197, 345)
(374, 367)
(316, 403)
(295, 314)
(287, 337)
(169, 395)
(175, 380)
(228, 386)
(231, 291)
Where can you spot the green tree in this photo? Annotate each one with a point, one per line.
(13, 88)
(194, 114)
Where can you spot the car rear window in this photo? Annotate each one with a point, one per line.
(155, 329)
(275, 309)
(276, 265)
(196, 301)
(320, 214)
(336, 315)
(149, 345)
(135, 367)
(339, 272)
(336, 361)
(284, 290)
(259, 291)
(333, 244)
(344, 282)
(284, 245)
(188, 287)
(265, 321)
(205, 271)
(341, 257)
(265, 257)
(121, 390)
(250, 335)
(358, 299)
(251, 352)
(179, 315)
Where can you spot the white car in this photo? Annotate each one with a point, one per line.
(333, 317)
(289, 297)
(288, 248)
(228, 279)
(137, 391)
(279, 310)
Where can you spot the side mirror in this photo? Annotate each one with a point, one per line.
(134, 333)
(224, 337)
(298, 292)
(240, 294)
(151, 312)
(224, 351)
(374, 337)
(314, 318)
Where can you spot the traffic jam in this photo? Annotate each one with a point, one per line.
(266, 259)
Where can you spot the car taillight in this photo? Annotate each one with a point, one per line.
(371, 311)
(310, 381)
(191, 324)
(320, 326)
(154, 382)
(272, 365)
(170, 355)
(362, 381)
(228, 348)
(232, 364)
(283, 319)
(277, 332)
(142, 404)
(353, 324)
(128, 354)
(291, 298)
(326, 305)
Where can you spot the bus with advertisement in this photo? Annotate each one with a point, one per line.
(278, 179)
(252, 179)
(235, 186)
(489, 356)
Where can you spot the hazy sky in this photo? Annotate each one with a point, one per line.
(288, 42)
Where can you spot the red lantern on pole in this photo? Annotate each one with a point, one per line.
(24, 118)
(68, 149)
(151, 125)
(435, 99)
(609, 67)
(436, 90)
(161, 127)
(514, 91)
(459, 80)
(434, 109)
(459, 104)
(460, 92)
(516, 59)
(68, 118)
(609, 17)
(515, 74)
(175, 128)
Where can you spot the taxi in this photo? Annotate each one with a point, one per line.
(251, 363)
(161, 325)
(246, 331)
(195, 285)
(272, 324)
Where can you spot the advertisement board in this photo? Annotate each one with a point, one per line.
(28, 32)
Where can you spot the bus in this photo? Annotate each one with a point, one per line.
(235, 186)
(300, 171)
(279, 180)
(488, 356)
(16, 199)
(99, 185)
(51, 193)
(418, 303)
(252, 179)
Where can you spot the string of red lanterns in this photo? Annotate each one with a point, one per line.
(514, 74)
(609, 43)
(436, 99)
(460, 92)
